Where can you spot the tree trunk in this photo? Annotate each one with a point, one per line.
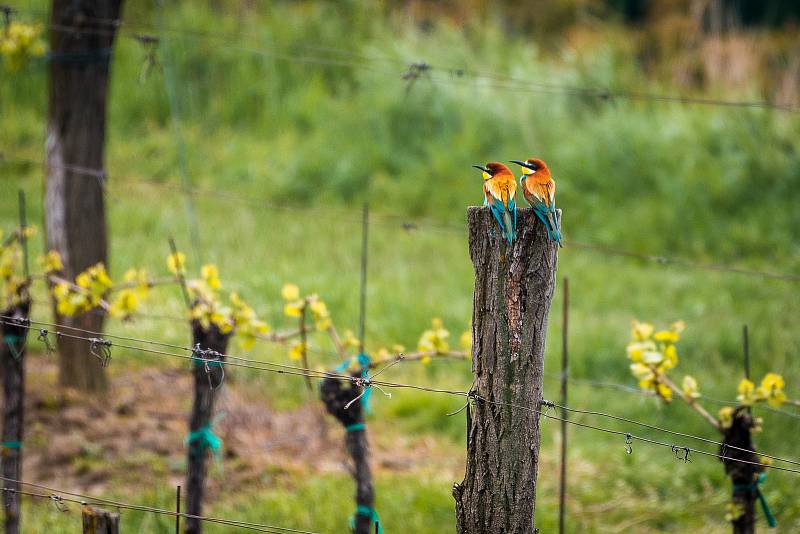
(12, 357)
(76, 129)
(206, 383)
(337, 394)
(99, 521)
(743, 476)
(513, 290)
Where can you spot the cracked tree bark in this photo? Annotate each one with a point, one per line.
(79, 68)
(513, 291)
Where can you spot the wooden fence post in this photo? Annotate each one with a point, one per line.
(99, 521)
(337, 395)
(12, 356)
(513, 290)
(208, 377)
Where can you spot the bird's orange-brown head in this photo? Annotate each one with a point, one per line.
(493, 168)
(534, 166)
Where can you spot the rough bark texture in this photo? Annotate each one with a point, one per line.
(76, 130)
(513, 289)
(99, 521)
(742, 475)
(206, 387)
(12, 356)
(336, 394)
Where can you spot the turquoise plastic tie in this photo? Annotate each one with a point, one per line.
(366, 511)
(764, 506)
(204, 438)
(363, 361)
(11, 444)
(11, 340)
(199, 359)
(355, 426)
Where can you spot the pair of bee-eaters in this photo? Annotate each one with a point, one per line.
(538, 186)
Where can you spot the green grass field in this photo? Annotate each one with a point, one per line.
(298, 141)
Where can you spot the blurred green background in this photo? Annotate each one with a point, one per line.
(294, 113)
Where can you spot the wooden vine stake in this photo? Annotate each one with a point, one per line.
(338, 396)
(99, 521)
(15, 326)
(513, 290)
(744, 476)
(15, 334)
(210, 344)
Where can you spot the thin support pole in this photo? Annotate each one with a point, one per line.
(179, 275)
(746, 354)
(22, 237)
(178, 510)
(304, 343)
(364, 254)
(180, 143)
(562, 493)
(746, 351)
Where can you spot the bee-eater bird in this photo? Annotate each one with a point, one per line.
(539, 189)
(500, 191)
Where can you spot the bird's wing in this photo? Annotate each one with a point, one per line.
(550, 188)
(503, 188)
(536, 191)
(492, 187)
(487, 192)
(511, 189)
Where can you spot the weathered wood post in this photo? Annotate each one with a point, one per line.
(12, 356)
(79, 67)
(513, 289)
(210, 344)
(338, 396)
(99, 521)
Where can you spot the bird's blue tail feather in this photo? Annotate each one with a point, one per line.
(508, 231)
(548, 218)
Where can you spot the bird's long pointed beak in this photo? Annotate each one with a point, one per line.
(481, 168)
(520, 163)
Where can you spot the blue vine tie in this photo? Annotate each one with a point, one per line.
(764, 506)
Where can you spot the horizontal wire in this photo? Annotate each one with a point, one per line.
(203, 35)
(496, 82)
(5, 319)
(416, 70)
(299, 371)
(664, 260)
(668, 431)
(664, 444)
(142, 508)
(572, 379)
(629, 435)
(429, 225)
